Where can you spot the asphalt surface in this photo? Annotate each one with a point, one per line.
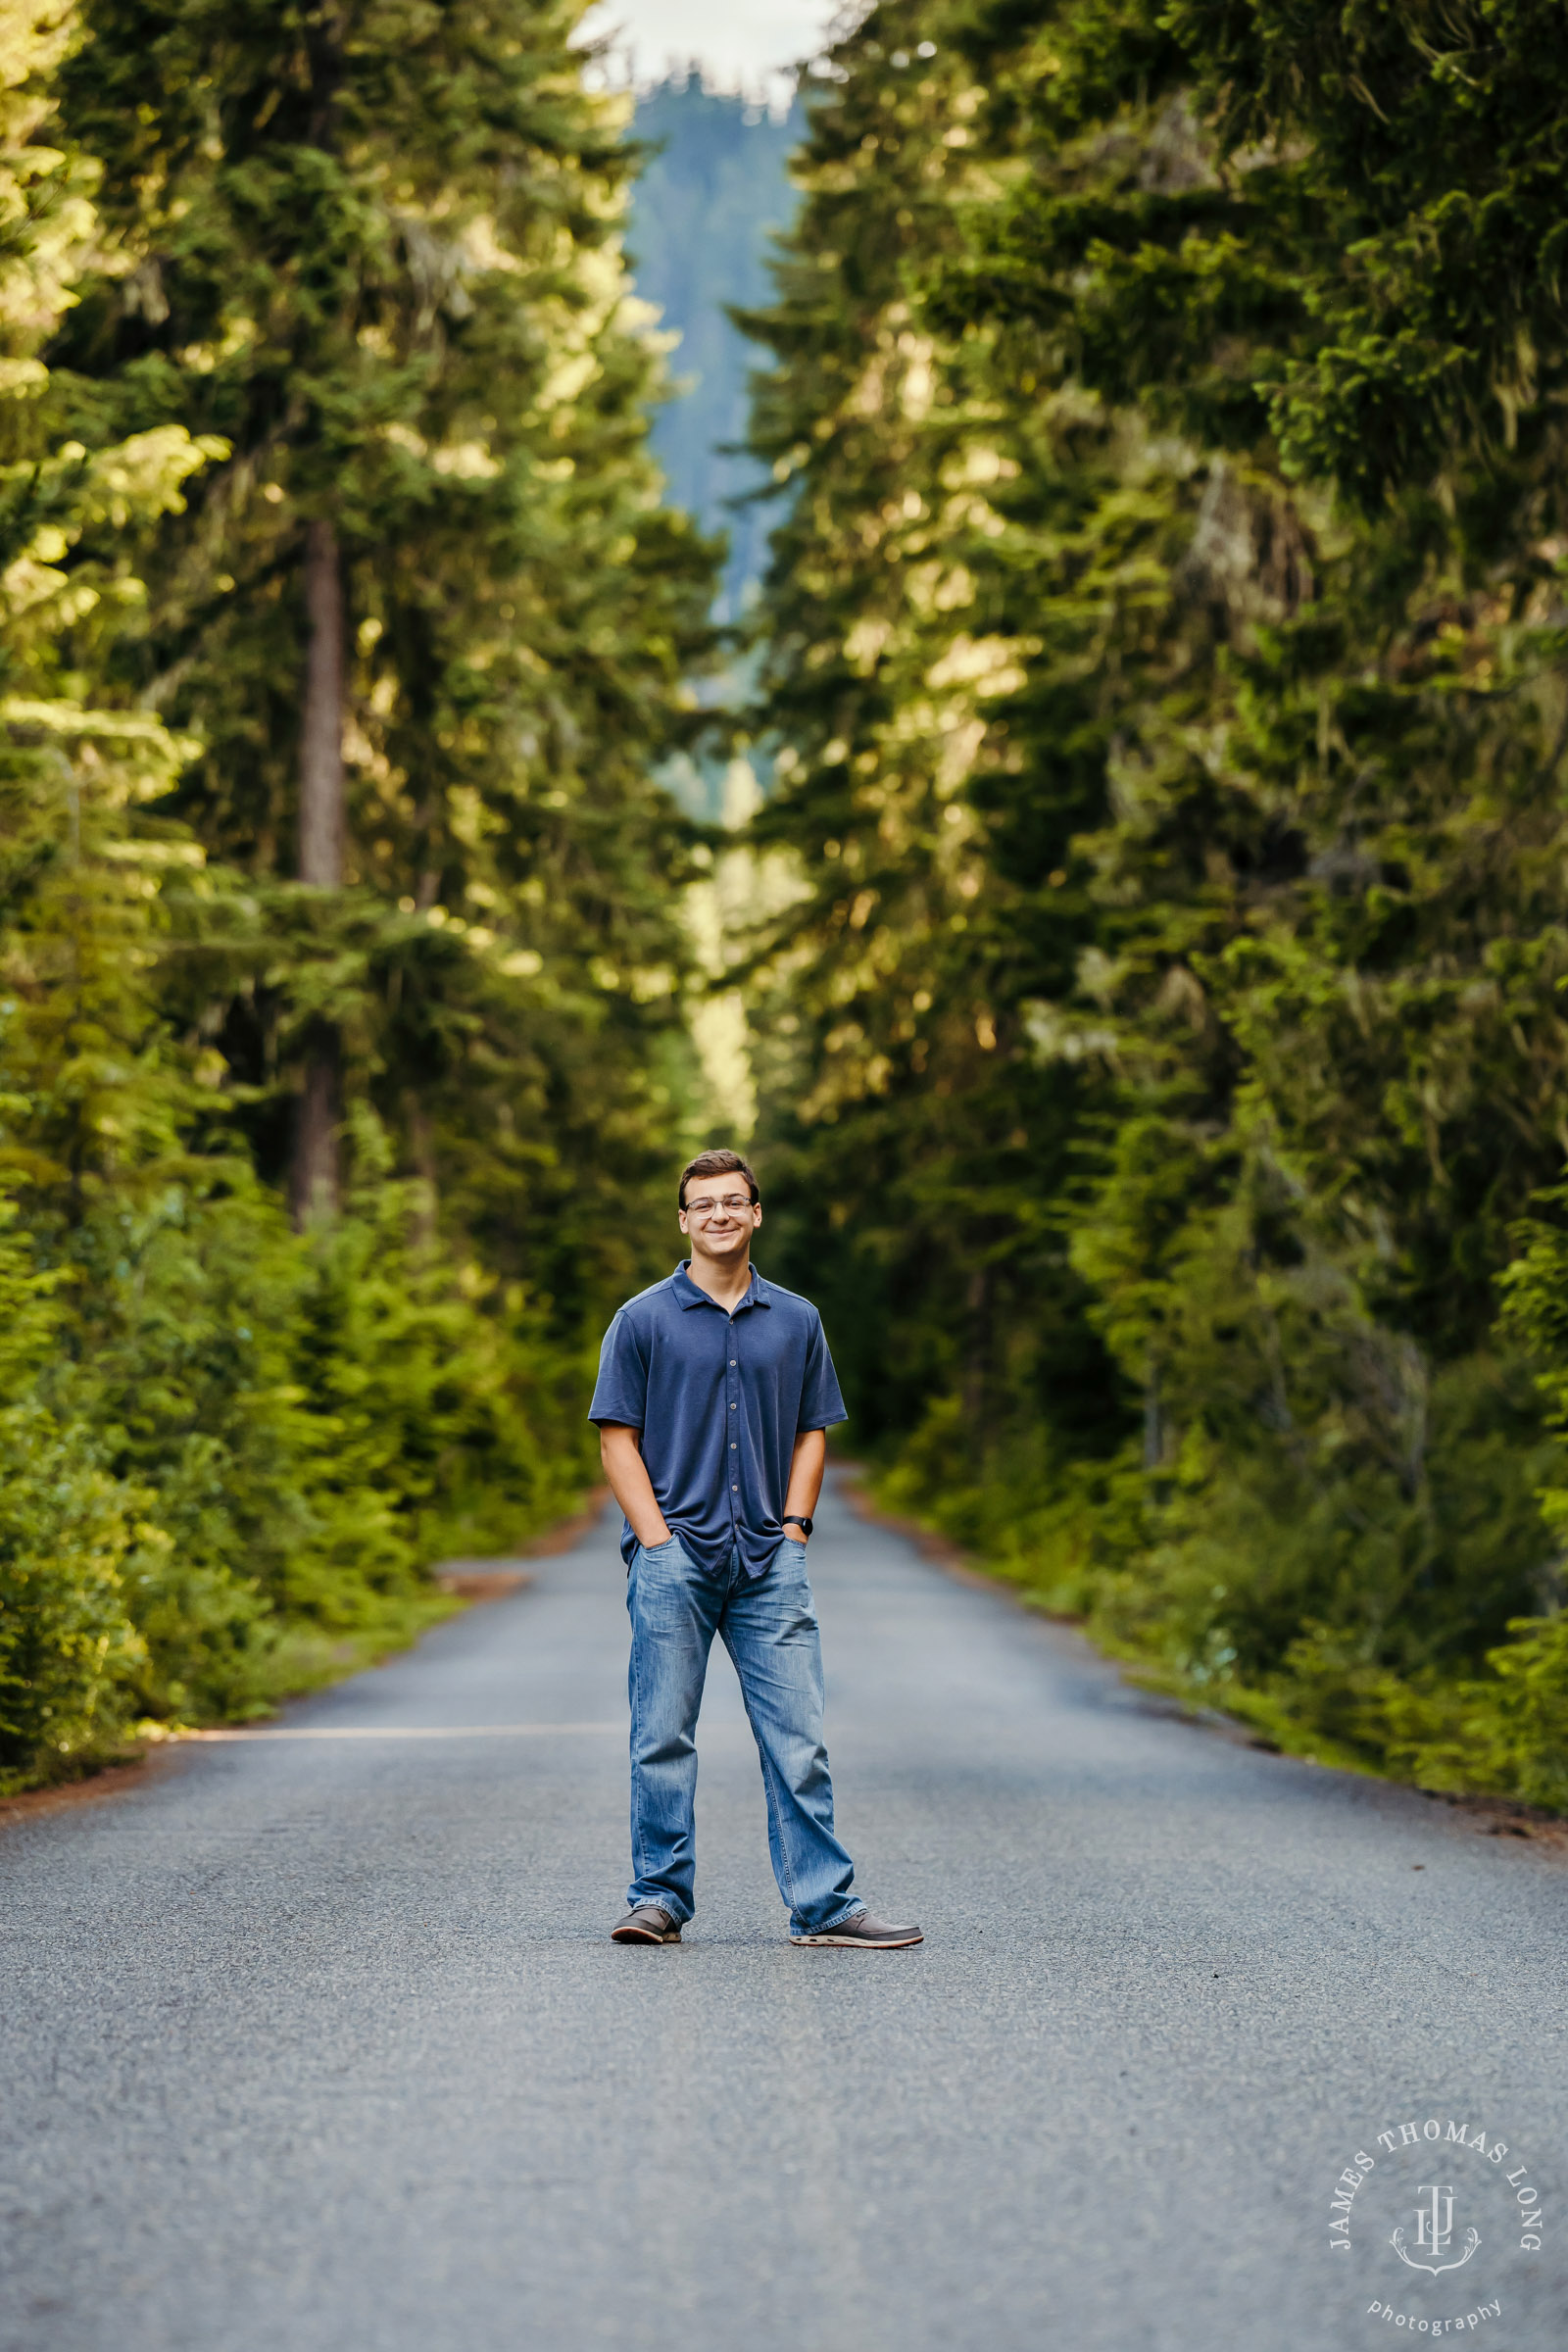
(319, 2044)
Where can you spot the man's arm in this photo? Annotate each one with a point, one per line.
(621, 1449)
(807, 1463)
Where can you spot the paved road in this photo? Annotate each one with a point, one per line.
(319, 2043)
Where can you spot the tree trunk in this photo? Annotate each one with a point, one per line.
(316, 1179)
(426, 1200)
(313, 1189)
(322, 730)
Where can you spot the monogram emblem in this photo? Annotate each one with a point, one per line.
(1434, 2233)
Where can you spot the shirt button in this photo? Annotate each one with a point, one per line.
(732, 1363)
(734, 1490)
(734, 1408)
(734, 1448)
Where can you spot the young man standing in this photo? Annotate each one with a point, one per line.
(716, 1390)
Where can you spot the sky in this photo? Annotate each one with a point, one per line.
(741, 43)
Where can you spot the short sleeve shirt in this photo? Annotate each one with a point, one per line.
(720, 1400)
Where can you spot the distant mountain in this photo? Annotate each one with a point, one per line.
(702, 216)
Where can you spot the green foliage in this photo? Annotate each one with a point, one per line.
(1166, 638)
(67, 1643)
(375, 250)
(229, 1450)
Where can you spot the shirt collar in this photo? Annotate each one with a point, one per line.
(689, 1294)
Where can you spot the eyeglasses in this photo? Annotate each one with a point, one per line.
(734, 1202)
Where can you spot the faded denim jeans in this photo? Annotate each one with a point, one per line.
(768, 1626)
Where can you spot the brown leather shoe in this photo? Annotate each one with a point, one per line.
(648, 1924)
(872, 1934)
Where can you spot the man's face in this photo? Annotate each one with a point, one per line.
(719, 1216)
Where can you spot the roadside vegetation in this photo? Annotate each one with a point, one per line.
(340, 961)
(1154, 976)
(1164, 1076)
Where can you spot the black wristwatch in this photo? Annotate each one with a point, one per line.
(795, 1520)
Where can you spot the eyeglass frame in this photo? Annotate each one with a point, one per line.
(733, 1202)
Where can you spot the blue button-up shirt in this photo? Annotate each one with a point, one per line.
(720, 1400)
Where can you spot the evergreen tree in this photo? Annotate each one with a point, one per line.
(892, 645)
(85, 1097)
(1261, 815)
(228, 1450)
(429, 620)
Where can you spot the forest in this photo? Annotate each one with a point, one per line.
(1152, 970)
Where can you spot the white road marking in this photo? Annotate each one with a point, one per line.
(407, 1731)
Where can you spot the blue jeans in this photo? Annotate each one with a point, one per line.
(768, 1626)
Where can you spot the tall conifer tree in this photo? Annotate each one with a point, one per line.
(1251, 320)
(430, 620)
(426, 623)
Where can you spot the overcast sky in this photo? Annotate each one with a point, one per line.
(741, 42)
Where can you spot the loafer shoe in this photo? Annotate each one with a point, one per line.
(647, 1923)
(864, 1928)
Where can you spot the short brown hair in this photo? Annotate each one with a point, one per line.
(718, 1163)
